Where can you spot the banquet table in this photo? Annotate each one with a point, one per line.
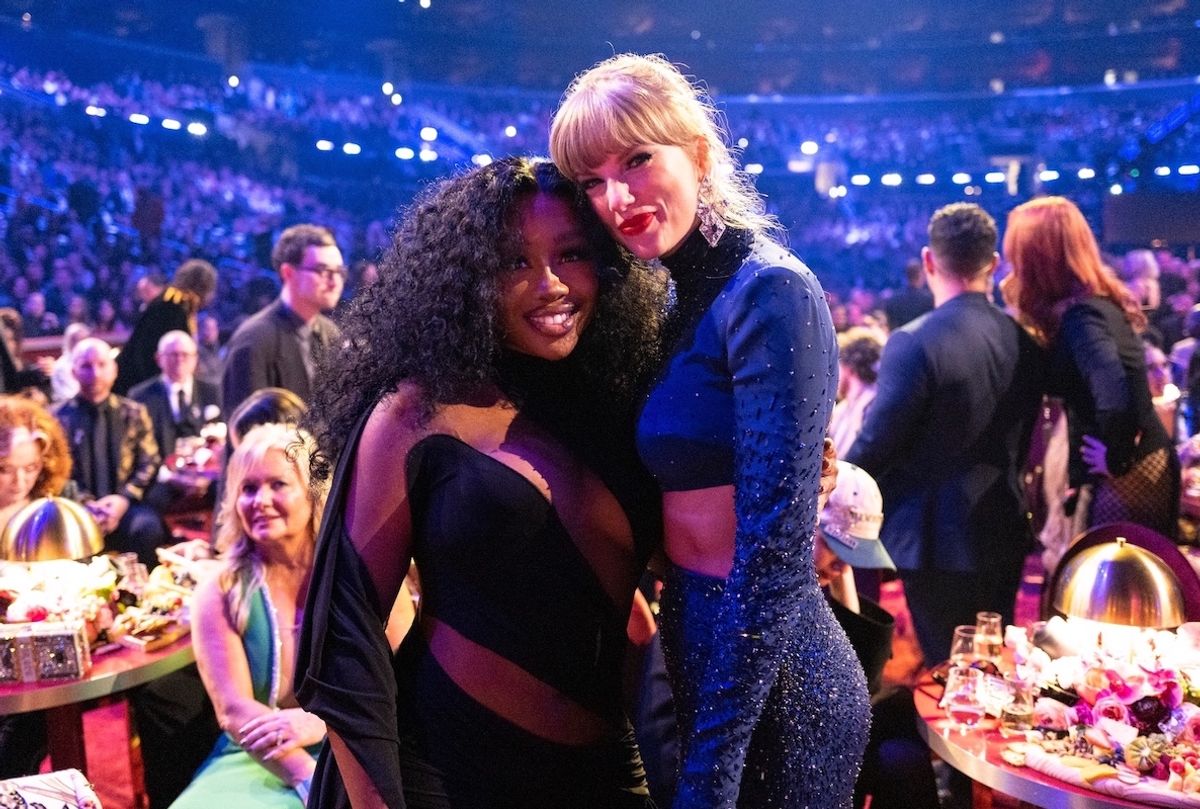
(65, 701)
(976, 753)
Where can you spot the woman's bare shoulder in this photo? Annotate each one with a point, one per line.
(396, 423)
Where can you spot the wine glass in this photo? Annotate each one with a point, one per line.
(962, 645)
(989, 636)
(962, 697)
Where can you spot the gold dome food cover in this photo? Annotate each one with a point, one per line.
(1120, 583)
(50, 528)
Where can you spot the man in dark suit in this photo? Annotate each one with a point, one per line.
(113, 453)
(911, 302)
(173, 309)
(947, 434)
(279, 345)
(179, 404)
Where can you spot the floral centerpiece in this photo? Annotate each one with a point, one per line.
(1123, 699)
(111, 603)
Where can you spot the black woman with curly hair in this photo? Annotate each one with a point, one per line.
(480, 414)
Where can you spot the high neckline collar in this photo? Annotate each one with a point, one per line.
(696, 256)
(522, 375)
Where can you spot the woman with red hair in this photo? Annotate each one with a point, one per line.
(1121, 464)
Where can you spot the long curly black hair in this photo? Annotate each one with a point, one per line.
(432, 317)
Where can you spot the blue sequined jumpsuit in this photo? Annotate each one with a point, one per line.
(772, 703)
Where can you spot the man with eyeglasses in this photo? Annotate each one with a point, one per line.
(279, 345)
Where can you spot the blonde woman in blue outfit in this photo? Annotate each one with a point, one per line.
(245, 621)
(772, 701)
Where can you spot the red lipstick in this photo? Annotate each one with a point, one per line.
(636, 225)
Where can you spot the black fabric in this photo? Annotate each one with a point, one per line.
(897, 772)
(172, 310)
(455, 754)
(497, 566)
(15, 380)
(344, 668)
(906, 306)
(140, 531)
(101, 468)
(870, 633)
(23, 744)
(561, 398)
(699, 272)
(132, 452)
(947, 434)
(178, 728)
(473, 559)
(941, 600)
(1098, 366)
(265, 352)
(154, 394)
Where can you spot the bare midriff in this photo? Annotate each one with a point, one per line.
(698, 529)
(507, 690)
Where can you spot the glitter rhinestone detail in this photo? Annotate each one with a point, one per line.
(773, 703)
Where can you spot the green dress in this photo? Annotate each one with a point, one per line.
(230, 777)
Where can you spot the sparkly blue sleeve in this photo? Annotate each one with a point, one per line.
(782, 357)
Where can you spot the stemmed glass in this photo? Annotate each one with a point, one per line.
(962, 697)
(962, 645)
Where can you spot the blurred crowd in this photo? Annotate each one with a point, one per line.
(96, 211)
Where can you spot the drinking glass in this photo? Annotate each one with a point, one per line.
(1017, 716)
(989, 636)
(962, 645)
(961, 699)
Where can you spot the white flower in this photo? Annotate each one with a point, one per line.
(1068, 671)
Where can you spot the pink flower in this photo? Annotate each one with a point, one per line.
(1111, 707)
(1120, 689)
(1051, 714)
(1081, 714)
(1191, 722)
(1164, 684)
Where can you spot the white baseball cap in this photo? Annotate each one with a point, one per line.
(852, 518)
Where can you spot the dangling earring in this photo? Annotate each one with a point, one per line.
(712, 226)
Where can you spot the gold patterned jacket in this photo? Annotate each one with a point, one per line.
(131, 454)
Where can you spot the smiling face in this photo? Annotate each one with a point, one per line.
(548, 297)
(647, 197)
(273, 504)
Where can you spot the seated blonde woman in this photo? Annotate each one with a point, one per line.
(244, 623)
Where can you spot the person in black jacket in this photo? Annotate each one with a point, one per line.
(947, 434)
(278, 346)
(113, 452)
(174, 309)
(179, 404)
(1122, 465)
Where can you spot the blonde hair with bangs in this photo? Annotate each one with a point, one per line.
(632, 99)
(243, 573)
